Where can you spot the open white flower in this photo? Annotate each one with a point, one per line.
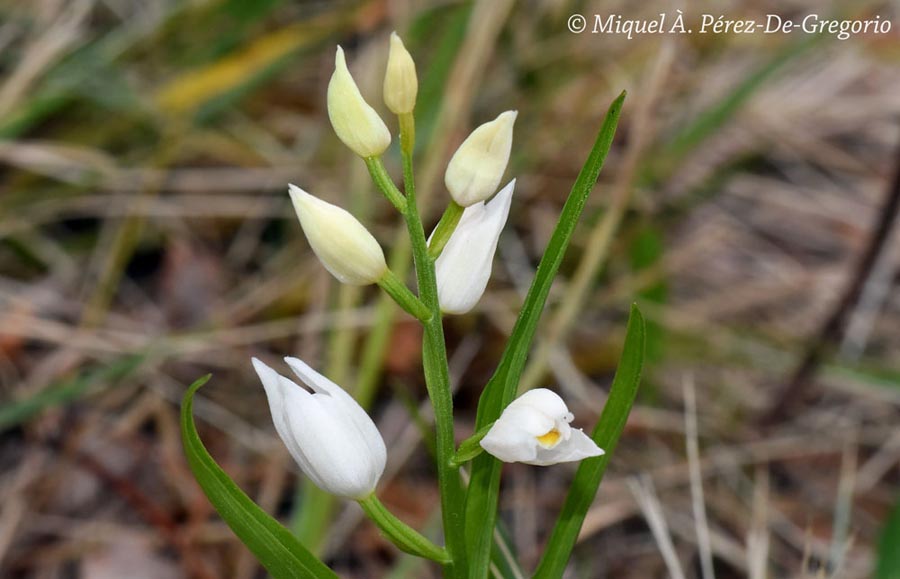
(464, 266)
(534, 429)
(330, 436)
(475, 170)
(343, 244)
(355, 122)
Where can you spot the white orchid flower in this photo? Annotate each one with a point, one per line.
(464, 266)
(330, 436)
(534, 429)
(343, 244)
(355, 122)
(475, 170)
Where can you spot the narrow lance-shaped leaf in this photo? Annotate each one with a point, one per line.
(481, 501)
(283, 556)
(606, 434)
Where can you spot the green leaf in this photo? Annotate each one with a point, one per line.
(888, 551)
(606, 434)
(274, 546)
(484, 486)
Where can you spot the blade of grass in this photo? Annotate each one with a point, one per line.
(888, 566)
(606, 434)
(273, 545)
(481, 504)
(712, 119)
(62, 393)
(206, 91)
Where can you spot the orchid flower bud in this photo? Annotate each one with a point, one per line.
(475, 170)
(355, 122)
(400, 81)
(464, 266)
(534, 429)
(331, 437)
(343, 245)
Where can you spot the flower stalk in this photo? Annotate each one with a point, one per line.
(385, 185)
(401, 294)
(402, 535)
(434, 362)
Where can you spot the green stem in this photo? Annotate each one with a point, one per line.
(471, 447)
(395, 288)
(445, 228)
(407, 134)
(437, 372)
(405, 537)
(385, 185)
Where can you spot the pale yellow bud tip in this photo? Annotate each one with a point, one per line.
(400, 81)
(476, 168)
(354, 121)
(343, 244)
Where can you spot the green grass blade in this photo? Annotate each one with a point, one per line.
(663, 162)
(888, 551)
(62, 393)
(274, 546)
(606, 434)
(484, 487)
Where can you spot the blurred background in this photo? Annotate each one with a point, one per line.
(146, 238)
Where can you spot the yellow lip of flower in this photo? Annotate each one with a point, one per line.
(550, 439)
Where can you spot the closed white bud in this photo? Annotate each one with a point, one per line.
(464, 266)
(400, 81)
(534, 429)
(355, 122)
(477, 166)
(331, 437)
(343, 245)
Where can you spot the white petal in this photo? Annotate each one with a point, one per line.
(272, 382)
(545, 400)
(281, 394)
(506, 441)
(578, 447)
(350, 409)
(464, 266)
(528, 419)
(340, 462)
